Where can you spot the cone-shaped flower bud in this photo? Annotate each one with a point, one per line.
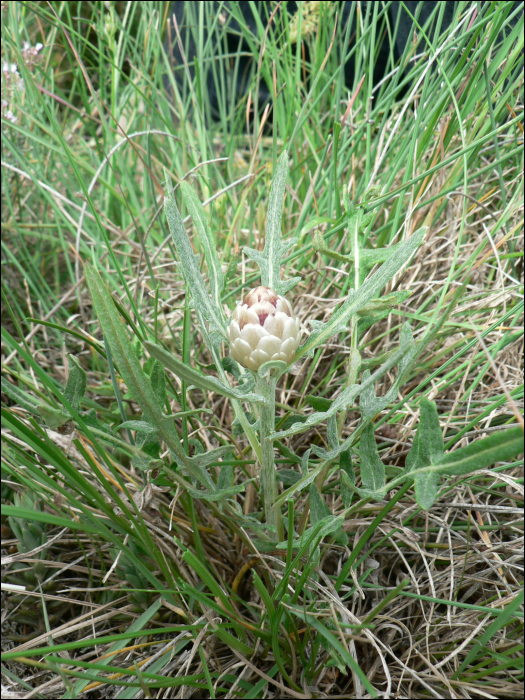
(263, 328)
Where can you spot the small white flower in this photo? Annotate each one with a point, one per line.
(263, 328)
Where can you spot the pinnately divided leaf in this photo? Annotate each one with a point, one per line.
(355, 301)
(205, 234)
(346, 398)
(188, 264)
(269, 260)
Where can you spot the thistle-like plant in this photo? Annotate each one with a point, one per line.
(263, 335)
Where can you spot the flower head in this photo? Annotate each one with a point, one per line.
(263, 328)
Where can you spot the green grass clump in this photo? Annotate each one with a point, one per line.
(144, 555)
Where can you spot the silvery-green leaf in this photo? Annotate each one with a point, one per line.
(430, 435)
(318, 508)
(158, 382)
(288, 476)
(217, 495)
(232, 367)
(225, 477)
(387, 302)
(372, 467)
(238, 428)
(207, 241)
(321, 452)
(76, 383)
(370, 289)
(286, 286)
(319, 511)
(22, 398)
(141, 426)
(287, 453)
(192, 376)
(206, 458)
(53, 417)
(278, 365)
(345, 399)
(189, 267)
(303, 482)
(346, 469)
(270, 259)
(426, 487)
(304, 462)
(318, 328)
(362, 493)
(370, 405)
(331, 432)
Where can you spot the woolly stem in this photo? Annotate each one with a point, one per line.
(266, 388)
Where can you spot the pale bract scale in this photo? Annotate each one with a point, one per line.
(263, 328)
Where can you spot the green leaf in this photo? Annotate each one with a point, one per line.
(388, 302)
(229, 364)
(288, 476)
(76, 383)
(369, 404)
(219, 495)
(430, 437)
(287, 452)
(414, 459)
(346, 469)
(326, 526)
(294, 419)
(426, 487)
(91, 420)
(204, 459)
(270, 259)
(318, 508)
(318, 403)
(225, 477)
(278, 366)
(303, 482)
(158, 382)
(189, 266)
(140, 426)
(207, 241)
(319, 511)
(192, 376)
(132, 373)
(346, 398)
(53, 417)
(331, 432)
(372, 467)
(498, 447)
(355, 301)
(21, 398)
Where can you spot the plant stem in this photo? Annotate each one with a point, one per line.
(266, 388)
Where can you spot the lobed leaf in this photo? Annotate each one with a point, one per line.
(270, 259)
(357, 300)
(207, 241)
(189, 267)
(346, 398)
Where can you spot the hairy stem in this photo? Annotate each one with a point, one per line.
(266, 388)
